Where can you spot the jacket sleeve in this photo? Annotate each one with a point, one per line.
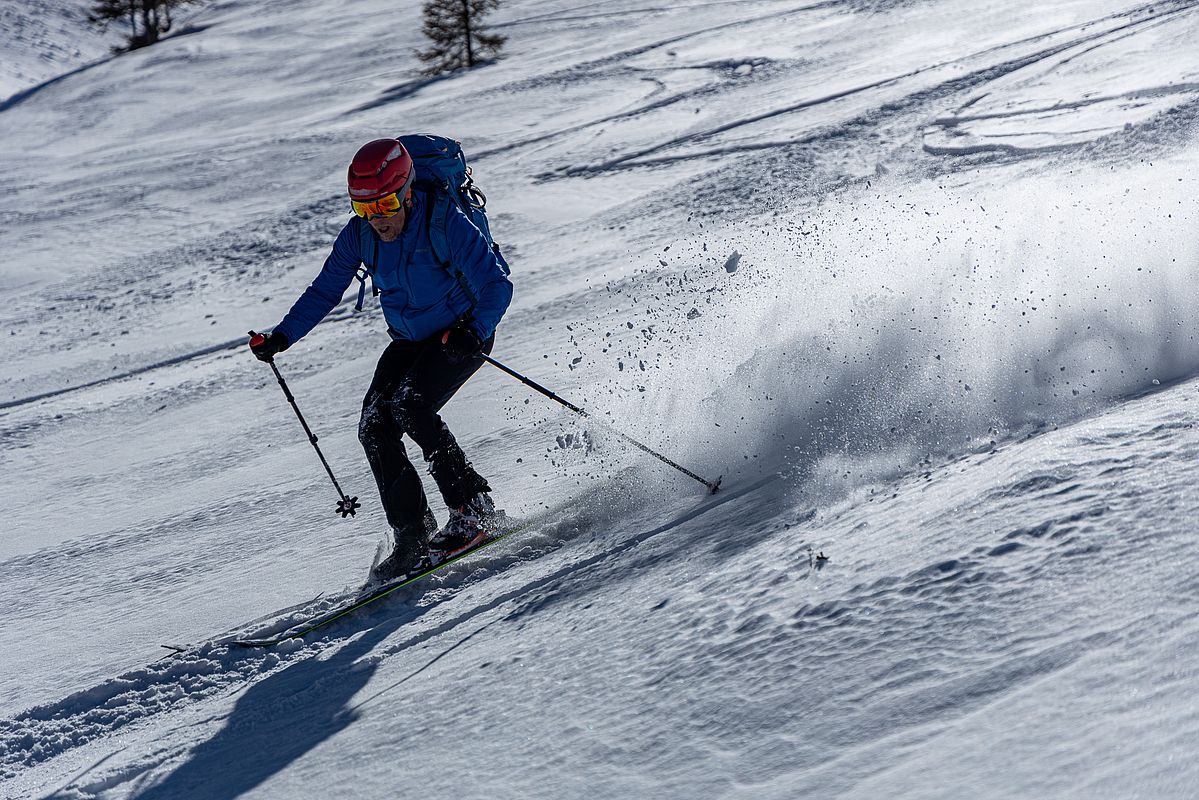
(325, 292)
(471, 253)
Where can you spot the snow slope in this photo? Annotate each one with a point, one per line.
(917, 278)
(47, 39)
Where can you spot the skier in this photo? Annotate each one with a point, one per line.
(440, 318)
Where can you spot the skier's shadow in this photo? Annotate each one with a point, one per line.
(277, 720)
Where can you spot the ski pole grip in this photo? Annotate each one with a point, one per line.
(256, 339)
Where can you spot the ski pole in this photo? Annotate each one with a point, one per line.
(712, 485)
(346, 506)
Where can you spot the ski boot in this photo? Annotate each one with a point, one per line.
(470, 525)
(409, 555)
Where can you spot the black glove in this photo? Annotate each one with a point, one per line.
(460, 343)
(264, 347)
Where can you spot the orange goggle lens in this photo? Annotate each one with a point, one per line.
(386, 206)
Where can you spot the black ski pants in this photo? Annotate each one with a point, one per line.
(413, 380)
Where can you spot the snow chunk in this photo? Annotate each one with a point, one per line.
(576, 441)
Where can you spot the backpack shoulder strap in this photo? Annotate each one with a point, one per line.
(368, 254)
(437, 217)
(368, 244)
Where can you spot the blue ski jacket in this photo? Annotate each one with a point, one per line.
(420, 296)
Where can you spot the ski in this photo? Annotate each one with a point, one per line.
(377, 593)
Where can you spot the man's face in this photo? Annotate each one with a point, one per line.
(389, 228)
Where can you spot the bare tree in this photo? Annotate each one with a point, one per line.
(148, 19)
(456, 30)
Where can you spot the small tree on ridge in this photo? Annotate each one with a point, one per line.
(456, 30)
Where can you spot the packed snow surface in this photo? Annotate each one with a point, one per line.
(49, 40)
(917, 279)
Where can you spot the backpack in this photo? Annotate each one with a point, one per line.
(443, 174)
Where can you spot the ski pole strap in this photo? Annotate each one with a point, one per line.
(713, 486)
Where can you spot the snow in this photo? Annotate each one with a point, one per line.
(45, 40)
(917, 279)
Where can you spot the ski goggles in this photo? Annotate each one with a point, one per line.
(386, 206)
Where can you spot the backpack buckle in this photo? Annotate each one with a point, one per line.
(475, 195)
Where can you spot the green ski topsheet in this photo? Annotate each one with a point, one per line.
(305, 628)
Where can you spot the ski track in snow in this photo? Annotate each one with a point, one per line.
(954, 352)
(1153, 15)
(43, 40)
(949, 605)
(213, 668)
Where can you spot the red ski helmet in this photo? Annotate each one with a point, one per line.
(380, 168)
